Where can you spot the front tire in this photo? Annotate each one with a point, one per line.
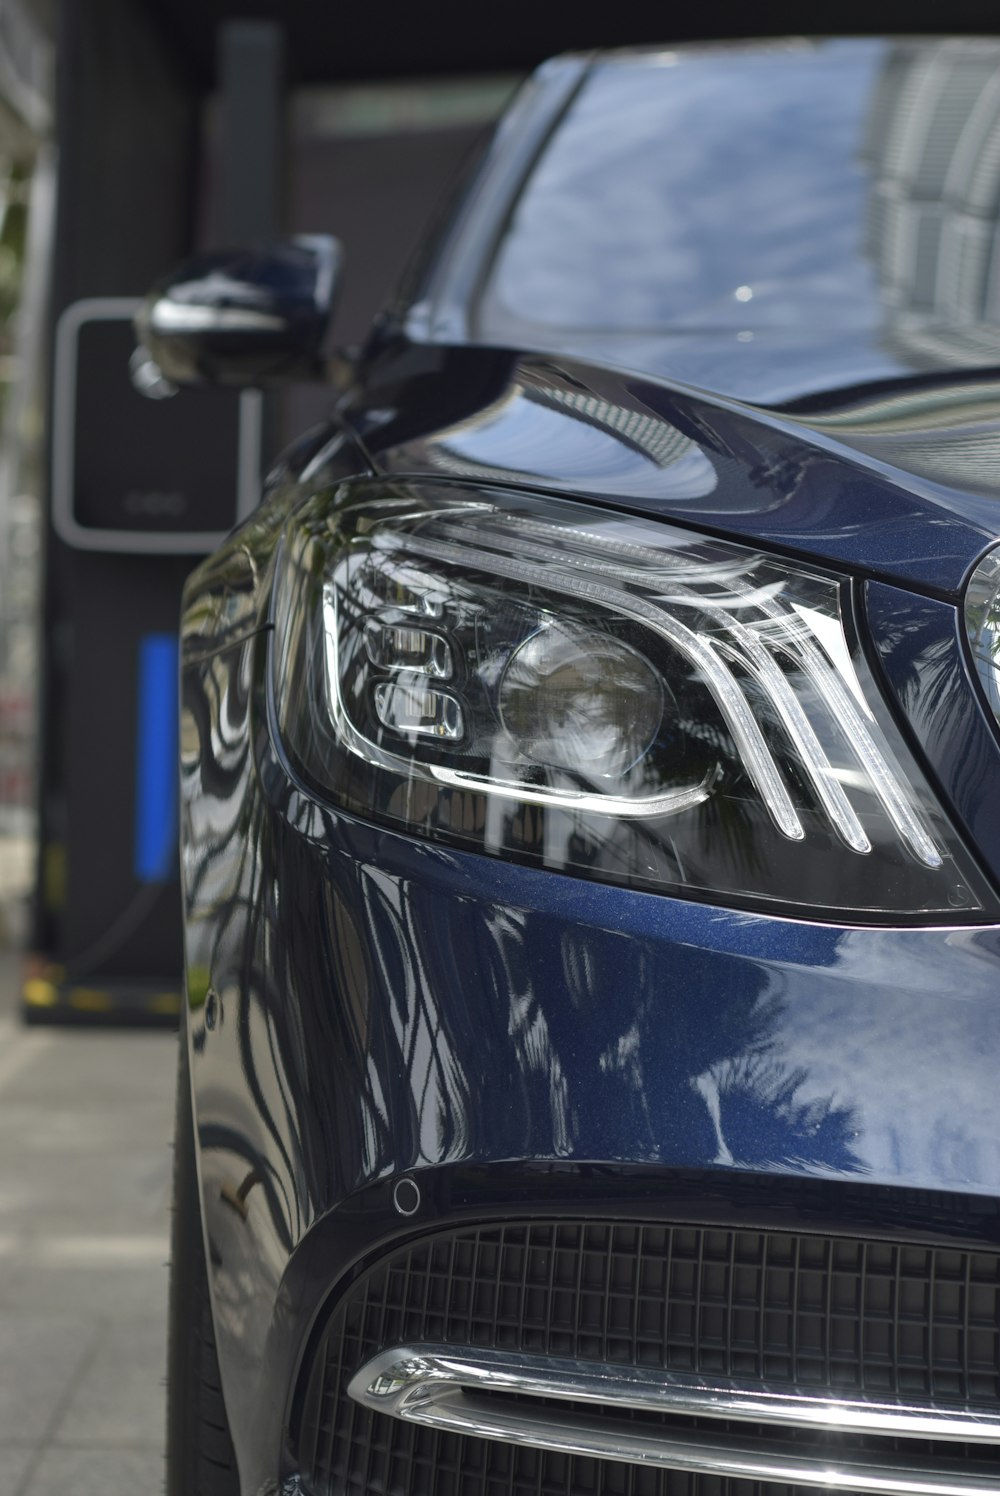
(201, 1460)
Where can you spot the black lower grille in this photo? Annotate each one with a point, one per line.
(805, 1312)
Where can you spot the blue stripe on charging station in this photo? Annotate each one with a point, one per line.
(156, 759)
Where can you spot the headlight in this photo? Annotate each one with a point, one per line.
(603, 695)
(982, 625)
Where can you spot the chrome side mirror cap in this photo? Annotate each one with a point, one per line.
(245, 317)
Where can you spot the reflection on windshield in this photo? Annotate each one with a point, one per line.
(934, 154)
(767, 221)
(705, 175)
(934, 235)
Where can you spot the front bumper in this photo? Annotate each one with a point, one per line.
(365, 1008)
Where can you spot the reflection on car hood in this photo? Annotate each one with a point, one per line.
(776, 368)
(901, 483)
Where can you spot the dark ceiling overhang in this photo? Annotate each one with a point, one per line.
(327, 42)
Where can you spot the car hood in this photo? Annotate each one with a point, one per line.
(898, 481)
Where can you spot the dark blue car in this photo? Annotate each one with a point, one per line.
(591, 827)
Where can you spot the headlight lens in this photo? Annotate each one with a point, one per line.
(603, 695)
(982, 625)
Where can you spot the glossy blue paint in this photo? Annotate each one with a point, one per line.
(243, 317)
(387, 1005)
(559, 425)
(922, 651)
(562, 1019)
(523, 1041)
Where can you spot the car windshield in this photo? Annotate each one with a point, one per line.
(690, 206)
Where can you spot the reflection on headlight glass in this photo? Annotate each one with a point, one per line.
(982, 623)
(602, 695)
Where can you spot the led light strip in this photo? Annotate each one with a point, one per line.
(885, 784)
(749, 739)
(670, 803)
(795, 643)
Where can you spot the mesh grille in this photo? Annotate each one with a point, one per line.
(807, 1312)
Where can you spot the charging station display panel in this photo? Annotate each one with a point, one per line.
(133, 472)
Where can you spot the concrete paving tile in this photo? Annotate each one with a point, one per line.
(89, 1125)
(101, 1291)
(15, 1462)
(41, 1356)
(120, 1401)
(105, 1068)
(21, 1050)
(85, 1180)
(125, 1190)
(98, 1472)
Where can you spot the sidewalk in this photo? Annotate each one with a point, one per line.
(85, 1125)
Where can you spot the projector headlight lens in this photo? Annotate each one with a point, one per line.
(571, 698)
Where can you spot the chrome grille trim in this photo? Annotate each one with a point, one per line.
(445, 1388)
(406, 1375)
(866, 1326)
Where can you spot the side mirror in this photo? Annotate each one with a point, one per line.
(243, 318)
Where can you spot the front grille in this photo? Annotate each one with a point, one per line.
(807, 1313)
